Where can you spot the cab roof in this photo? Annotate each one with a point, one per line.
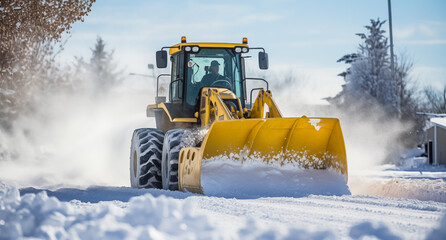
(178, 47)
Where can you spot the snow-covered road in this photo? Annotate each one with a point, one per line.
(409, 219)
(122, 212)
(386, 202)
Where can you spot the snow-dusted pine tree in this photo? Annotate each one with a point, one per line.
(370, 77)
(369, 81)
(100, 73)
(103, 66)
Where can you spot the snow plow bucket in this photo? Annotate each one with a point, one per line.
(313, 143)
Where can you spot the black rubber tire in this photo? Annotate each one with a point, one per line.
(145, 158)
(174, 141)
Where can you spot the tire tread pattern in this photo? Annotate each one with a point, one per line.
(176, 141)
(150, 148)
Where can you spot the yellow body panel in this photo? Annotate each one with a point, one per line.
(307, 142)
(212, 106)
(189, 174)
(163, 106)
(258, 108)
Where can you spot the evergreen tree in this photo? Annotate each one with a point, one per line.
(103, 67)
(100, 72)
(369, 76)
(369, 80)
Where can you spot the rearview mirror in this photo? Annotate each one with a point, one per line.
(263, 60)
(161, 59)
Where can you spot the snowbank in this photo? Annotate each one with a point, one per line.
(421, 189)
(411, 178)
(380, 231)
(201, 217)
(439, 233)
(144, 217)
(413, 160)
(224, 177)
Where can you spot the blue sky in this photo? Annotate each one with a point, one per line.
(304, 38)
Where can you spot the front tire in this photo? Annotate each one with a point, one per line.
(174, 141)
(145, 158)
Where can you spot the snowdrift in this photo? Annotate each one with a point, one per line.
(421, 189)
(144, 217)
(149, 217)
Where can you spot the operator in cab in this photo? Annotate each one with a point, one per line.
(214, 79)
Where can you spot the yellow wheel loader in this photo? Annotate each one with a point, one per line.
(209, 115)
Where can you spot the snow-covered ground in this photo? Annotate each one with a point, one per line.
(119, 213)
(67, 186)
(389, 202)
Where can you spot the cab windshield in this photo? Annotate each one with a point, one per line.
(212, 67)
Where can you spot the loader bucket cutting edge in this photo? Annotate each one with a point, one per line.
(315, 143)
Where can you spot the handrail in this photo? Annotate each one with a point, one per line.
(250, 98)
(258, 79)
(170, 47)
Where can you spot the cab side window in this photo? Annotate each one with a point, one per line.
(176, 90)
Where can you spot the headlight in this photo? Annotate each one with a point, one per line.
(245, 50)
(187, 48)
(195, 49)
(238, 49)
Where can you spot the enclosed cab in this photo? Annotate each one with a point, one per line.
(195, 66)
